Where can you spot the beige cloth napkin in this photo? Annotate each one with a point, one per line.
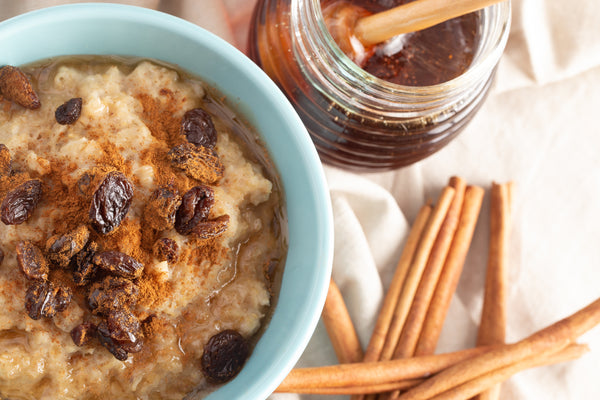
(539, 129)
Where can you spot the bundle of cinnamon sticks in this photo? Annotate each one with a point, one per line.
(399, 361)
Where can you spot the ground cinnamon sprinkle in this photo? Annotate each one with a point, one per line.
(67, 208)
(127, 239)
(164, 175)
(8, 183)
(152, 290)
(155, 325)
(158, 117)
(69, 201)
(208, 249)
(5, 167)
(112, 156)
(67, 196)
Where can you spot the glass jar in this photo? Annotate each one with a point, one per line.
(356, 120)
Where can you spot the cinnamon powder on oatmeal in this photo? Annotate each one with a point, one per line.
(67, 196)
(8, 183)
(5, 167)
(152, 290)
(158, 117)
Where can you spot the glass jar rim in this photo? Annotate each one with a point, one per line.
(496, 23)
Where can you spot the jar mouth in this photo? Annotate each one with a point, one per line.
(494, 27)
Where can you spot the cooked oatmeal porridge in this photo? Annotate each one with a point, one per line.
(142, 233)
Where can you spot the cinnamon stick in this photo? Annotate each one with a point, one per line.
(415, 272)
(340, 328)
(390, 300)
(418, 311)
(365, 389)
(492, 329)
(555, 336)
(448, 281)
(464, 391)
(494, 378)
(374, 372)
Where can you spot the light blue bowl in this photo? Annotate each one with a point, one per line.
(126, 30)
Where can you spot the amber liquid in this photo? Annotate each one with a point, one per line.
(424, 58)
(431, 56)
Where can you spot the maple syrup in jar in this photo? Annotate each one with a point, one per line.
(406, 100)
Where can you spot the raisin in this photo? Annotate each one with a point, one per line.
(62, 298)
(192, 215)
(212, 227)
(198, 128)
(62, 248)
(119, 264)
(45, 299)
(112, 293)
(111, 344)
(83, 333)
(31, 261)
(111, 202)
(195, 207)
(83, 267)
(5, 161)
(166, 249)
(152, 324)
(121, 333)
(224, 356)
(198, 162)
(126, 329)
(160, 210)
(69, 112)
(16, 87)
(1, 256)
(19, 203)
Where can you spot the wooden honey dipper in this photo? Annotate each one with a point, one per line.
(353, 27)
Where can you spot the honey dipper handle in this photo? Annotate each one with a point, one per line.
(414, 16)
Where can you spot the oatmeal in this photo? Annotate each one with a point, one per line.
(141, 230)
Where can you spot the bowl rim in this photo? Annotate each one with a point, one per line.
(309, 168)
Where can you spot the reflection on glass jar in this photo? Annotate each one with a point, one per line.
(356, 120)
